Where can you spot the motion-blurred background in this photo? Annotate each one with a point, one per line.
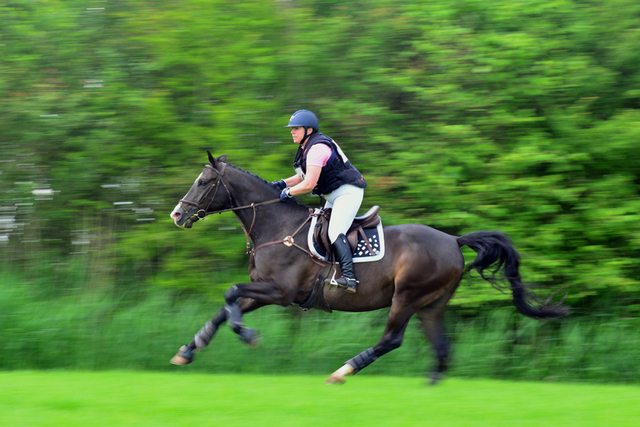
(518, 116)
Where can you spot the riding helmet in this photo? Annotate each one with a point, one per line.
(305, 119)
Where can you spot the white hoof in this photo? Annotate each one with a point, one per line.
(338, 376)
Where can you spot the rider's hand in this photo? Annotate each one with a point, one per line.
(285, 196)
(279, 185)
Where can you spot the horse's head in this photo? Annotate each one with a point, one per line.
(208, 193)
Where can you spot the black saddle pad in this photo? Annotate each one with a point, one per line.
(361, 253)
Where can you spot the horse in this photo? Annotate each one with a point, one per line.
(421, 269)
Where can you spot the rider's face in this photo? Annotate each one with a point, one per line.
(297, 132)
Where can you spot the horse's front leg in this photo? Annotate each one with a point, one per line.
(234, 314)
(263, 293)
(239, 299)
(204, 336)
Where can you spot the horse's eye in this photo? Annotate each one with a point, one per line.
(202, 183)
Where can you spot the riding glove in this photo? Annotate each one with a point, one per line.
(285, 196)
(279, 185)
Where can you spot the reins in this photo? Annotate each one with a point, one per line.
(203, 213)
(289, 242)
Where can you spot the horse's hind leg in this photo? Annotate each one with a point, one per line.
(433, 328)
(397, 322)
(431, 316)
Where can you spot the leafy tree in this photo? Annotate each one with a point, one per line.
(462, 114)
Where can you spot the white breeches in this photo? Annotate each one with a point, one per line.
(345, 202)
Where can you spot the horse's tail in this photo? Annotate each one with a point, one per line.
(496, 253)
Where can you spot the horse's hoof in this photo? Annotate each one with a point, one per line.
(334, 379)
(256, 342)
(251, 337)
(183, 357)
(436, 377)
(338, 376)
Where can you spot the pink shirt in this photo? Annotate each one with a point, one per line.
(318, 155)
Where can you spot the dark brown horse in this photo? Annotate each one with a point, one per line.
(420, 271)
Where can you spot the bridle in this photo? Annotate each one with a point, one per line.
(203, 213)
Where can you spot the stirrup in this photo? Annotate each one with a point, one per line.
(332, 282)
(350, 285)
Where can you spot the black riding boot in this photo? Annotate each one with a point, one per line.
(342, 250)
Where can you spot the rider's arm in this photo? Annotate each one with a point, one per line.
(292, 181)
(317, 158)
(309, 183)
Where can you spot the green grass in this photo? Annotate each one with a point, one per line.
(46, 327)
(122, 398)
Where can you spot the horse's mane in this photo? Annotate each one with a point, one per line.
(265, 182)
(250, 174)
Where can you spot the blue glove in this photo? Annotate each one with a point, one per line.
(285, 196)
(279, 185)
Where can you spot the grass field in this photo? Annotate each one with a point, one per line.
(120, 398)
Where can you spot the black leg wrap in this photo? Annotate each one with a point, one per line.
(248, 336)
(362, 360)
(234, 315)
(232, 294)
(208, 331)
(204, 335)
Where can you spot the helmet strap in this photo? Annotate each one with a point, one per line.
(304, 140)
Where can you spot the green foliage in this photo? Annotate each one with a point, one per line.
(464, 115)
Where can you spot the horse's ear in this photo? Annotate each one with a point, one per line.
(216, 162)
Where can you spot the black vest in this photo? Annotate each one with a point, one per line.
(337, 172)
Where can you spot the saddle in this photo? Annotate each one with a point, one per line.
(369, 220)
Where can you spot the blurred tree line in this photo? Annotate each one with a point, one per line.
(462, 114)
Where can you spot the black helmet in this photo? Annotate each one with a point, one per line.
(305, 119)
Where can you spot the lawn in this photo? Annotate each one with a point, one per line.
(121, 398)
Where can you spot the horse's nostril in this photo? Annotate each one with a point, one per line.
(175, 215)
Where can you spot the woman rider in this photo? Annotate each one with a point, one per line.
(322, 168)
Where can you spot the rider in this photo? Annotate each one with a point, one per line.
(322, 168)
